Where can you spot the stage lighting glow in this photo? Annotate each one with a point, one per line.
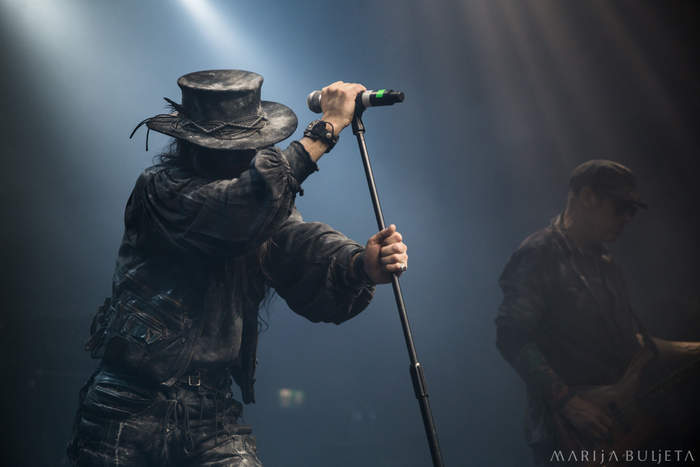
(50, 26)
(223, 36)
(291, 397)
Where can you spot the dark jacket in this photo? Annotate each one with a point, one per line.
(197, 257)
(565, 321)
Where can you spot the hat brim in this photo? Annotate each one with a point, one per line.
(626, 194)
(281, 123)
(633, 200)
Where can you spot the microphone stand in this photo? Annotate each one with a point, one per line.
(419, 386)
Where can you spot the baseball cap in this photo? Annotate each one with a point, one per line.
(609, 178)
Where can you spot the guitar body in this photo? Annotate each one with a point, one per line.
(651, 396)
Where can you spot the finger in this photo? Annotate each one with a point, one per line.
(589, 429)
(601, 431)
(605, 420)
(356, 88)
(395, 237)
(393, 248)
(594, 434)
(381, 236)
(333, 89)
(603, 423)
(601, 417)
(395, 267)
(350, 90)
(395, 258)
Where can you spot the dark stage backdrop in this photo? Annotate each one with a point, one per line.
(503, 99)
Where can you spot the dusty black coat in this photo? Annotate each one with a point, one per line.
(195, 262)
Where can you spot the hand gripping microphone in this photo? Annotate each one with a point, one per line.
(362, 101)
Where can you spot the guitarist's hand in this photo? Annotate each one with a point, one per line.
(587, 418)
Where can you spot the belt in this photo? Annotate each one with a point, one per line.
(211, 379)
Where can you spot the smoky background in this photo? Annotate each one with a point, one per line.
(503, 99)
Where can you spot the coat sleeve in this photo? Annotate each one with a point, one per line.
(222, 217)
(309, 264)
(524, 301)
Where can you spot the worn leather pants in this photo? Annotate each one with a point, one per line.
(121, 422)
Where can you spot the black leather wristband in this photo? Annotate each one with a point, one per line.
(319, 130)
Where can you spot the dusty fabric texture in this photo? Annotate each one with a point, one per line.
(222, 109)
(565, 320)
(121, 421)
(197, 258)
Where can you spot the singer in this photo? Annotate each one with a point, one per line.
(208, 231)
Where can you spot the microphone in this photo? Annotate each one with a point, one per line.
(362, 101)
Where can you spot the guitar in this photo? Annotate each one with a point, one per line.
(656, 392)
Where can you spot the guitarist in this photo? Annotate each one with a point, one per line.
(566, 320)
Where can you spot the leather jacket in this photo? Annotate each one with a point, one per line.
(197, 258)
(565, 321)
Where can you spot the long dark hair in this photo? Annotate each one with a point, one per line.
(225, 164)
(176, 154)
(215, 162)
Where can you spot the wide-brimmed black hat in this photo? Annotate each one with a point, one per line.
(609, 178)
(222, 109)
